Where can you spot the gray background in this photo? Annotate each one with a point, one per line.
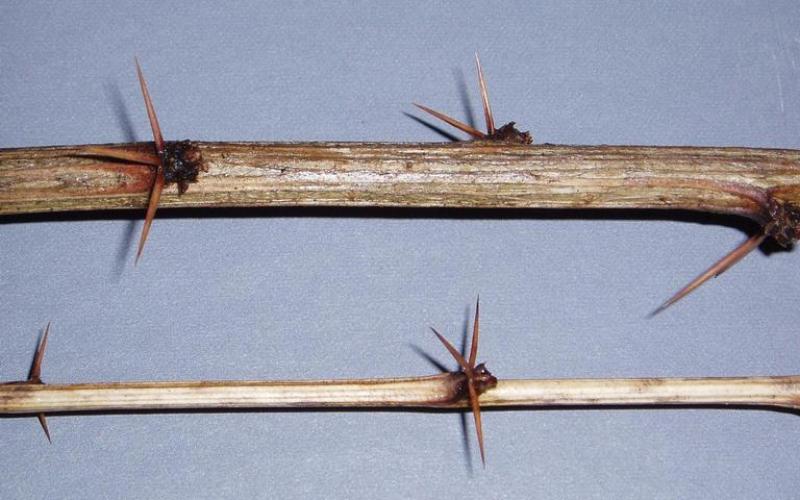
(298, 294)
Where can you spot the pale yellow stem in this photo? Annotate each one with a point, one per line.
(440, 391)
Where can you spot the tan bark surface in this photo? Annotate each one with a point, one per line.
(475, 174)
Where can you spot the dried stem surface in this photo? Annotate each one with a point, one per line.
(439, 391)
(476, 174)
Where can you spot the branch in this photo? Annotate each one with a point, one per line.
(439, 391)
(761, 184)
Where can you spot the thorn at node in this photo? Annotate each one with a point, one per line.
(478, 378)
(507, 133)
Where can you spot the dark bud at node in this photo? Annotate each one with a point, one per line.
(182, 164)
(509, 133)
(484, 380)
(785, 223)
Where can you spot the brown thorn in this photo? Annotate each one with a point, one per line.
(151, 112)
(35, 373)
(43, 421)
(454, 352)
(487, 109)
(715, 270)
(158, 182)
(477, 134)
(155, 196)
(119, 154)
(476, 413)
(473, 350)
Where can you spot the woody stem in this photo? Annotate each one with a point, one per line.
(737, 181)
(440, 391)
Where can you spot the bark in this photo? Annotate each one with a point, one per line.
(761, 184)
(439, 391)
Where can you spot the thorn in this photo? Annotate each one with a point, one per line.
(152, 206)
(468, 368)
(35, 373)
(457, 355)
(476, 414)
(151, 112)
(715, 270)
(487, 109)
(473, 350)
(477, 134)
(158, 182)
(154, 160)
(43, 421)
(129, 156)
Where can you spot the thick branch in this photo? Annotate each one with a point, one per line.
(748, 182)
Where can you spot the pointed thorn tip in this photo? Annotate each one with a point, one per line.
(658, 310)
(35, 372)
(719, 267)
(43, 422)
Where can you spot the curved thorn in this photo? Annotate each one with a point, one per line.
(43, 422)
(151, 112)
(715, 270)
(476, 413)
(487, 109)
(152, 206)
(35, 373)
(120, 154)
(473, 350)
(477, 134)
(454, 352)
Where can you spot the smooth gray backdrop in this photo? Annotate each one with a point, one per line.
(298, 294)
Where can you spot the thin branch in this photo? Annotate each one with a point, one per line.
(472, 387)
(439, 391)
